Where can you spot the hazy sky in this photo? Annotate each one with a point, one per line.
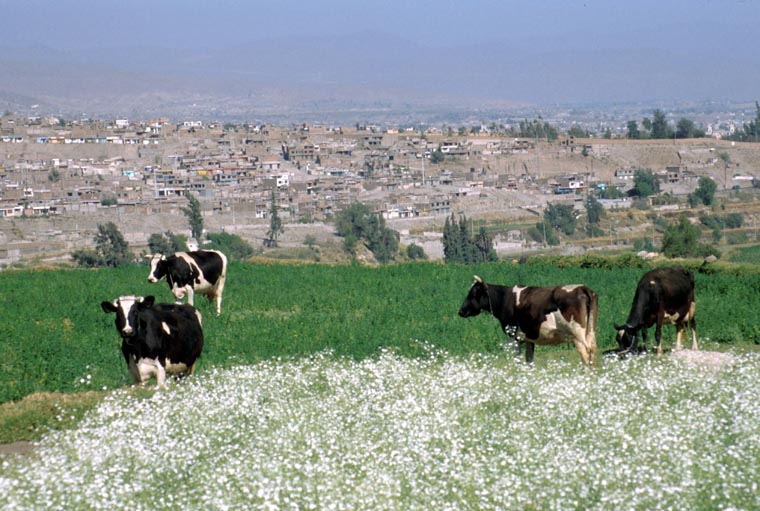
(536, 51)
(540, 24)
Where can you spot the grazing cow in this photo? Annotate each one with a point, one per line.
(663, 295)
(545, 315)
(157, 339)
(201, 271)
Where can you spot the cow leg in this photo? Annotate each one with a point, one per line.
(679, 332)
(591, 345)
(218, 292)
(585, 343)
(179, 294)
(658, 336)
(160, 374)
(644, 335)
(530, 347)
(517, 347)
(190, 295)
(511, 333)
(134, 372)
(581, 347)
(693, 326)
(147, 367)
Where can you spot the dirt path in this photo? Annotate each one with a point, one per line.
(22, 448)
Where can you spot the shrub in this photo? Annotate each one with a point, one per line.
(111, 249)
(232, 245)
(415, 251)
(737, 238)
(460, 245)
(167, 243)
(681, 240)
(358, 222)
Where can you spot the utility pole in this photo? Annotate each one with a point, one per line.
(423, 170)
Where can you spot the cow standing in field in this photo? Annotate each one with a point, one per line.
(157, 339)
(545, 315)
(200, 271)
(663, 295)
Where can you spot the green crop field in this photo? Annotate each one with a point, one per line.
(55, 337)
(350, 387)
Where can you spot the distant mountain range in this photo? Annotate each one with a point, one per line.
(361, 75)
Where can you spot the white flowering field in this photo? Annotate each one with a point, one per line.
(431, 433)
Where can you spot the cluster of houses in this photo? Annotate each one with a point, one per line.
(54, 167)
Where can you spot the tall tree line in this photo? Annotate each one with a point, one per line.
(461, 245)
(658, 128)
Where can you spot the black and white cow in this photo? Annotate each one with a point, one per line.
(187, 273)
(157, 339)
(545, 315)
(663, 295)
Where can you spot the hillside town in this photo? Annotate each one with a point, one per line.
(93, 169)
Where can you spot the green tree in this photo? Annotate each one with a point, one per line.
(415, 252)
(111, 249)
(538, 129)
(646, 124)
(681, 240)
(353, 220)
(194, 216)
(452, 246)
(357, 223)
(594, 210)
(544, 233)
(644, 183)
(437, 156)
(232, 245)
(734, 220)
(382, 241)
(750, 131)
(275, 223)
(349, 244)
(167, 243)
(644, 244)
(611, 192)
(484, 244)
(633, 130)
(705, 192)
(685, 129)
(111, 246)
(660, 128)
(461, 246)
(560, 217)
(577, 132)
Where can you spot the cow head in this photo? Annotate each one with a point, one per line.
(157, 268)
(126, 309)
(627, 337)
(477, 299)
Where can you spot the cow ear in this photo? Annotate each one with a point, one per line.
(147, 302)
(108, 307)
